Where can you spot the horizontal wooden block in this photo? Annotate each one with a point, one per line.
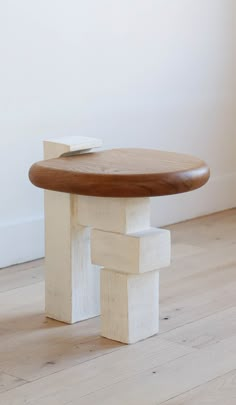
(129, 306)
(123, 215)
(134, 253)
(55, 147)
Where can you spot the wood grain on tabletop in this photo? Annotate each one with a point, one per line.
(121, 173)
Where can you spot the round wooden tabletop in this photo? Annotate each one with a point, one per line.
(121, 173)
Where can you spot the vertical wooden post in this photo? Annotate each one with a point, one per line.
(72, 291)
(132, 253)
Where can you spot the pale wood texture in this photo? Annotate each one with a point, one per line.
(130, 301)
(122, 215)
(134, 253)
(156, 385)
(129, 305)
(72, 282)
(191, 362)
(19, 275)
(121, 173)
(221, 390)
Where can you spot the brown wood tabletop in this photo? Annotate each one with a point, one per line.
(121, 173)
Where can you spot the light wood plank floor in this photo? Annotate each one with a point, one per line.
(191, 362)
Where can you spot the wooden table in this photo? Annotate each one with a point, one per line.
(97, 213)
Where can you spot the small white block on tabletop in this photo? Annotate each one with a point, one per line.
(129, 306)
(122, 215)
(55, 147)
(135, 253)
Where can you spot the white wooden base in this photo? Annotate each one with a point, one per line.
(72, 291)
(129, 305)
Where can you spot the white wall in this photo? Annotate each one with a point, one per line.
(153, 73)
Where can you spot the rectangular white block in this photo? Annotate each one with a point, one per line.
(72, 283)
(55, 147)
(129, 306)
(134, 253)
(122, 215)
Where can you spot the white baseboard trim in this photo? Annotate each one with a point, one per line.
(21, 241)
(24, 240)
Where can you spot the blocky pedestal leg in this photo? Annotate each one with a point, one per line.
(132, 253)
(129, 305)
(72, 281)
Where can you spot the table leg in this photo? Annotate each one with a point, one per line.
(131, 253)
(72, 291)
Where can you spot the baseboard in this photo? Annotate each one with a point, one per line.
(24, 240)
(21, 241)
(217, 195)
